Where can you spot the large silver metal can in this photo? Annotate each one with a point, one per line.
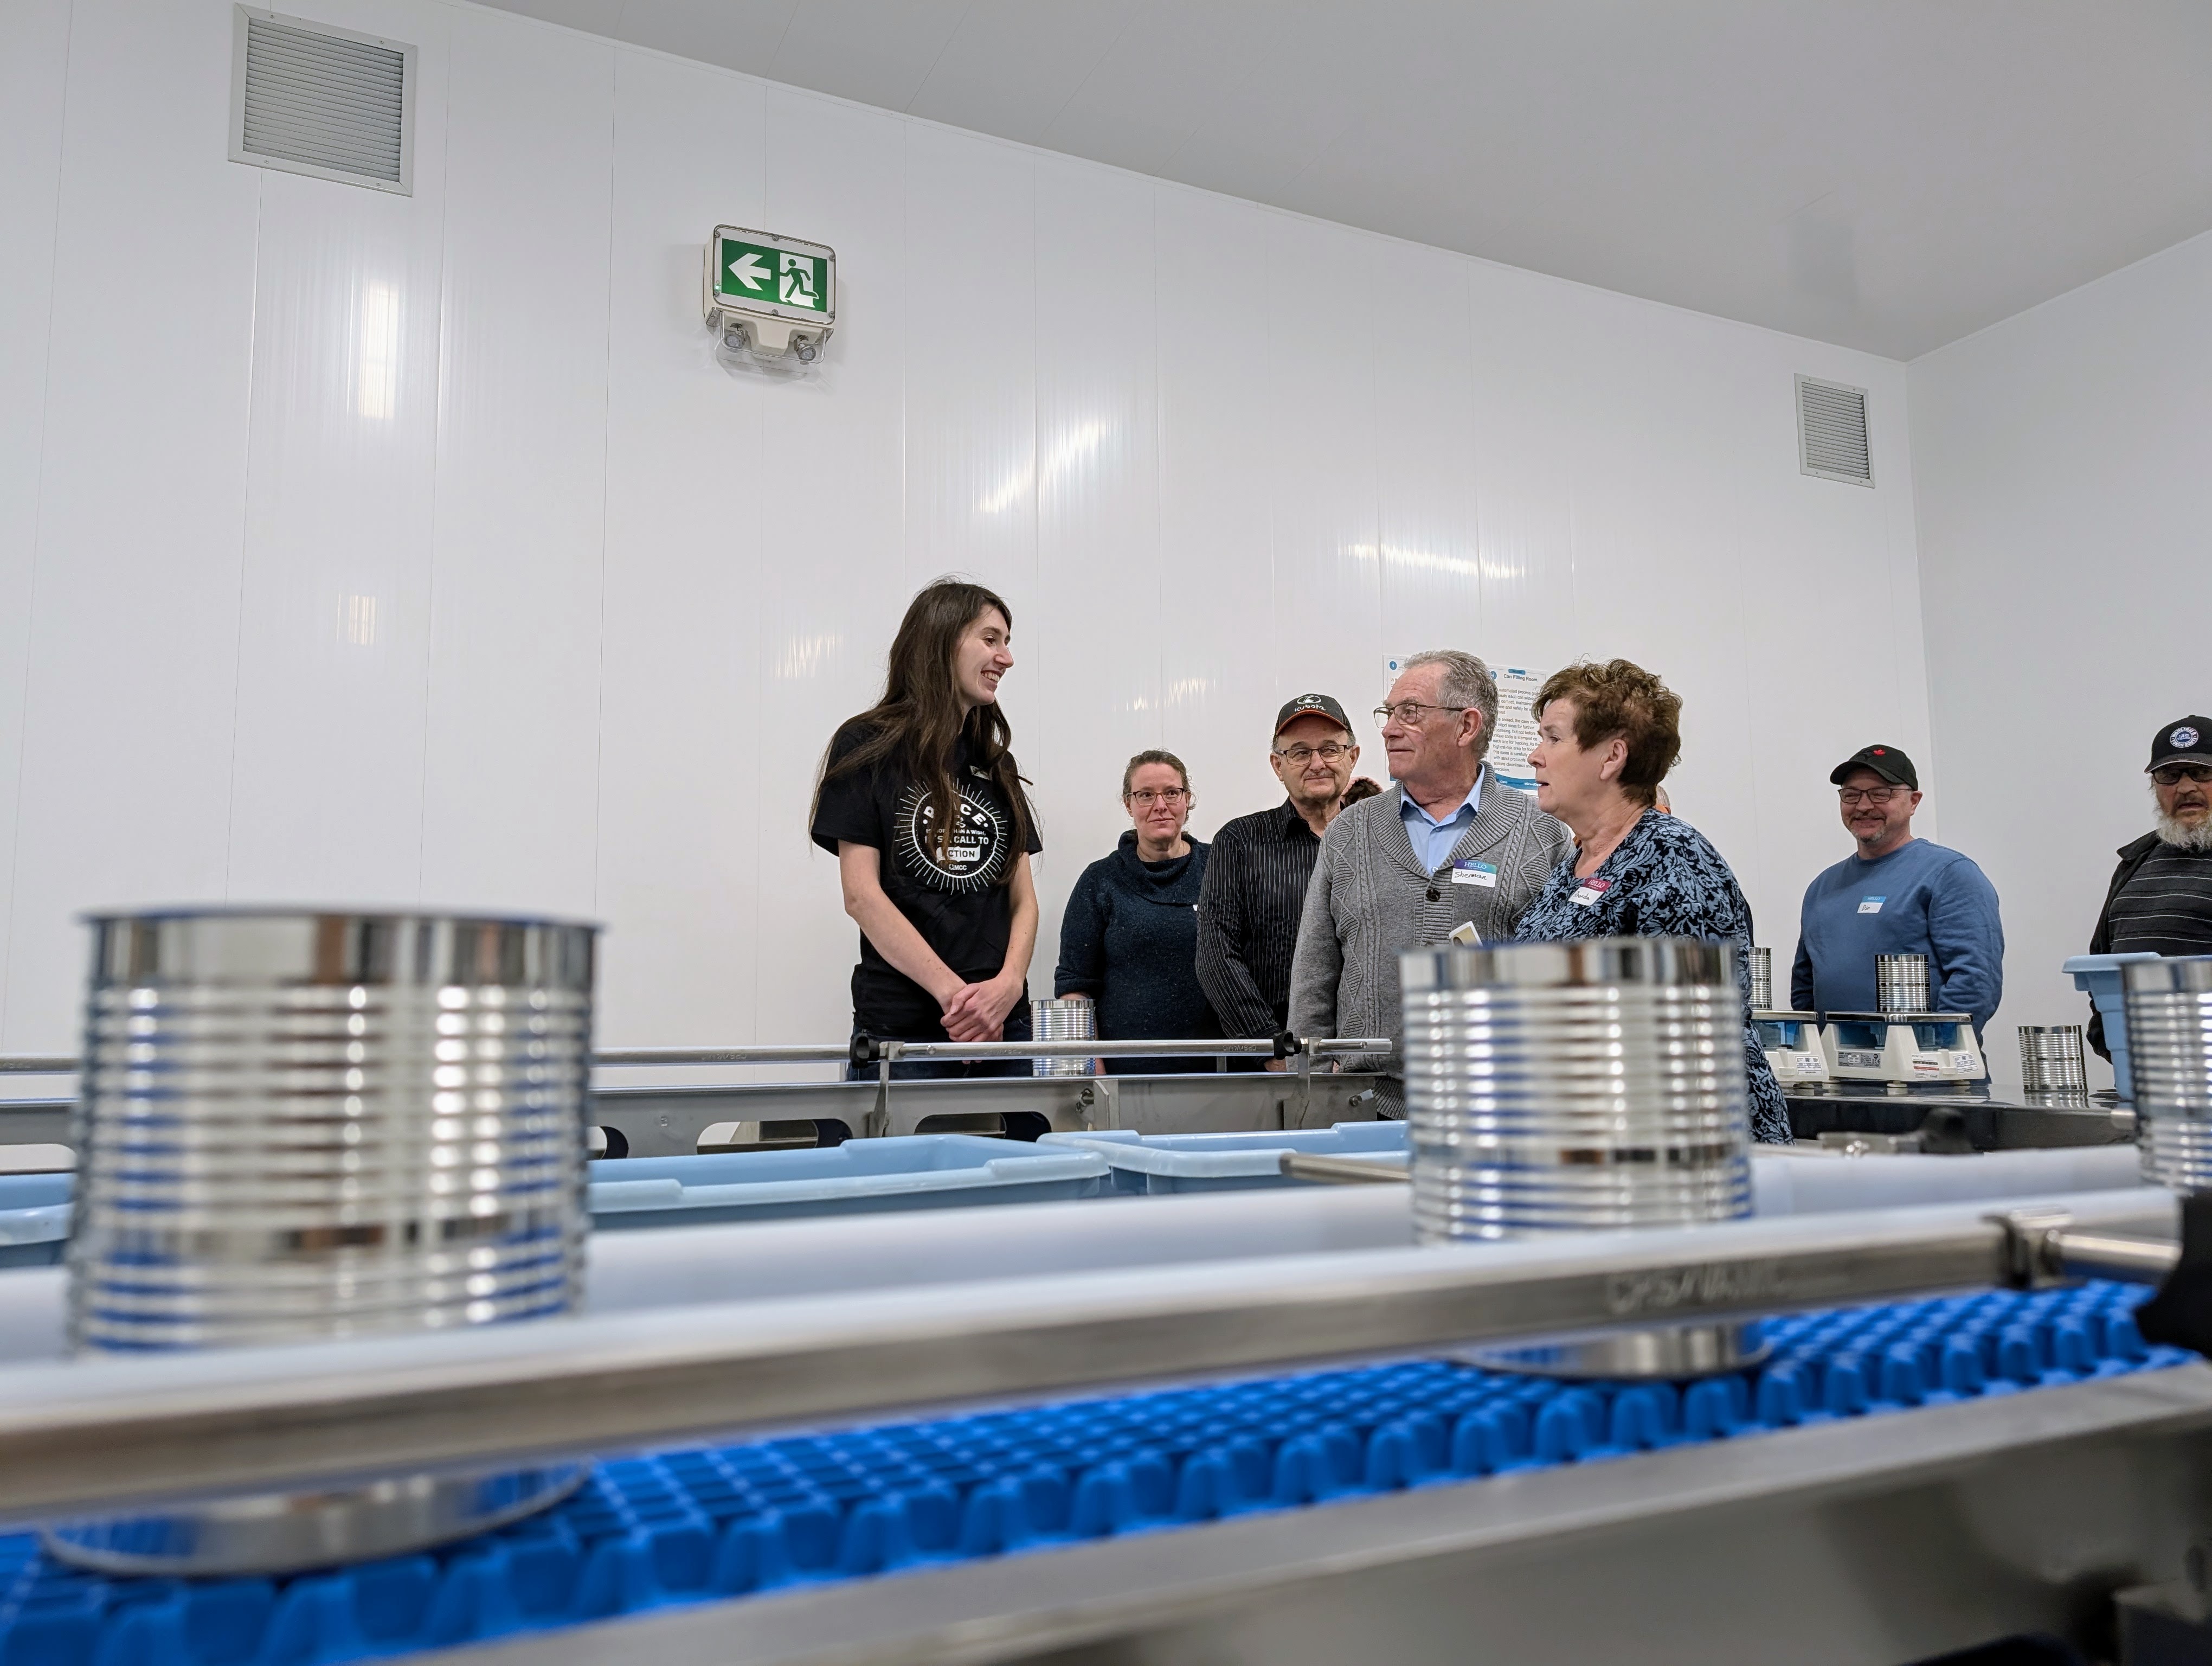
(2169, 1006)
(1595, 1085)
(299, 1126)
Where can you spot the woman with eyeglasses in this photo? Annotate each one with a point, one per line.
(1129, 939)
(920, 799)
(1606, 736)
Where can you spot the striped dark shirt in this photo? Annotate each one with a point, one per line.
(1248, 918)
(2166, 906)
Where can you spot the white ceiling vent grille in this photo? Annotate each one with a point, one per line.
(311, 98)
(1831, 431)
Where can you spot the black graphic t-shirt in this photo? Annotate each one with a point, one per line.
(957, 900)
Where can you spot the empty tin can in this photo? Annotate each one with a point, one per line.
(2053, 1060)
(299, 1126)
(1062, 1020)
(1762, 980)
(1581, 1086)
(1901, 983)
(2169, 1007)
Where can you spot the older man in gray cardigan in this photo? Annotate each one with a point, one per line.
(1448, 844)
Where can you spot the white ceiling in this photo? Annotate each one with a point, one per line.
(1887, 174)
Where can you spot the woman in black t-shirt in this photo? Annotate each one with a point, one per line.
(920, 800)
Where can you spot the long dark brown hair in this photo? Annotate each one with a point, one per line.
(917, 723)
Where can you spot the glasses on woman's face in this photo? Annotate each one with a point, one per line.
(1853, 797)
(1145, 797)
(1327, 752)
(1407, 713)
(2172, 774)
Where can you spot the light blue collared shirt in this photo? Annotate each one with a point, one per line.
(1432, 839)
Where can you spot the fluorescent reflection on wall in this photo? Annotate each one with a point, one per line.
(376, 352)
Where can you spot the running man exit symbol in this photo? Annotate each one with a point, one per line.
(780, 276)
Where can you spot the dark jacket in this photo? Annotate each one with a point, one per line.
(2132, 856)
(1129, 940)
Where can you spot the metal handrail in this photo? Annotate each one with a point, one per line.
(840, 1053)
(98, 1433)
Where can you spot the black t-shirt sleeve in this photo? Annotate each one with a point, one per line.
(851, 808)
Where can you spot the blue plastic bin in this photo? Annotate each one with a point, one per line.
(34, 1218)
(918, 1171)
(2098, 975)
(1153, 1163)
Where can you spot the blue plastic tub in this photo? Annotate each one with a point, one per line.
(1153, 1163)
(2098, 975)
(34, 1218)
(918, 1171)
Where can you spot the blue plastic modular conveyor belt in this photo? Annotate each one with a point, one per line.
(696, 1526)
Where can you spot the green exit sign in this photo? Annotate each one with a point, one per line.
(760, 271)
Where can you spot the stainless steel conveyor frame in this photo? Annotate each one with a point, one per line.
(107, 1431)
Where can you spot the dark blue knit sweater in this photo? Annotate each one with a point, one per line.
(1129, 940)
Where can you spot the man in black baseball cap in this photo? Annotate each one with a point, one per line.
(1895, 895)
(2159, 900)
(1256, 875)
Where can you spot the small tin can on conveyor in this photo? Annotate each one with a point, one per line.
(300, 1126)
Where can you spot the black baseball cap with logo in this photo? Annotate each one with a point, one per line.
(1312, 705)
(1892, 765)
(2187, 740)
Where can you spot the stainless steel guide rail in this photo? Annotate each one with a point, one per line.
(55, 1064)
(93, 1435)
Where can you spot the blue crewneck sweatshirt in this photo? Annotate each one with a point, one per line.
(1920, 899)
(1129, 940)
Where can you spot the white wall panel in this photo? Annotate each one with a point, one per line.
(334, 604)
(1099, 581)
(1220, 685)
(33, 68)
(2065, 510)
(568, 628)
(133, 667)
(832, 577)
(511, 777)
(677, 800)
(1316, 402)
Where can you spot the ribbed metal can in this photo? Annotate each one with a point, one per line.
(1901, 983)
(1573, 1086)
(2169, 1006)
(1062, 1020)
(1762, 980)
(296, 1126)
(2052, 1059)
(1581, 1086)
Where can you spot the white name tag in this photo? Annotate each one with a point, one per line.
(1871, 904)
(1476, 873)
(1586, 897)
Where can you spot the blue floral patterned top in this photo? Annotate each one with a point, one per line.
(1664, 880)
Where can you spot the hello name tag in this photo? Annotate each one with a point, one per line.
(1591, 890)
(1871, 904)
(1476, 873)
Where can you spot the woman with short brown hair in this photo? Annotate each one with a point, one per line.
(1607, 736)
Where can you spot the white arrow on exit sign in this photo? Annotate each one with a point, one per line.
(749, 272)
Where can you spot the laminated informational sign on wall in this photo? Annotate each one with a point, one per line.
(1516, 732)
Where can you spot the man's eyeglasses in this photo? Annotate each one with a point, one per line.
(1144, 796)
(1855, 796)
(1329, 752)
(1408, 712)
(2168, 775)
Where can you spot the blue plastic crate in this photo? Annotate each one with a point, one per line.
(2098, 975)
(1152, 1162)
(696, 1526)
(919, 1172)
(34, 1218)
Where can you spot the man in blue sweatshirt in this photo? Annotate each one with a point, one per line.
(1897, 895)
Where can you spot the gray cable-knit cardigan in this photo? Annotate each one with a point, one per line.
(1368, 901)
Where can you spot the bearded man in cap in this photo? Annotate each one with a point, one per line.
(2159, 900)
(1895, 894)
